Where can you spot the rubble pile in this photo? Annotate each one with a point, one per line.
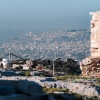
(90, 67)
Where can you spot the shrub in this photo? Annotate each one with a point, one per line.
(27, 73)
(67, 77)
(51, 90)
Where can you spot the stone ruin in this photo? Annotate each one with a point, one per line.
(95, 36)
(90, 66)
(20, 90)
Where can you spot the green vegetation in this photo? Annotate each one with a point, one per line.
(80, 97)
(94, 98)
(70, 77)
(69, 67)
(27, 73)
(42, 75)
(58, 96)
(98, 81)
(51, 90)
(67, 77)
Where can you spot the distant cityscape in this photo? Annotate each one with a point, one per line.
(49, 45)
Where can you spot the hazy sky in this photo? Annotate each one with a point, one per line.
(47, 14)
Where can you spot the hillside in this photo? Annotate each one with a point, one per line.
(50, 45)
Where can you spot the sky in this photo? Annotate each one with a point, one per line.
(47, 14)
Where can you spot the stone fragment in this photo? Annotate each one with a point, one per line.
(90, 69)
(29, 87)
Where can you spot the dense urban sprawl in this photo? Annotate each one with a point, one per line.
(49, 45)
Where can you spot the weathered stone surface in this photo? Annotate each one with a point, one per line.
(7, 90)
(42, 97)
(91, 69)
(95, 36)
(29, 88)
(80, 86)
(83, 89)
(15, 97)
(19, 90)
(86, 61)
(8, 73)
(90, 66)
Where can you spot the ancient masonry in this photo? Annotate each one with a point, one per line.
(95, 36)
(90, 66)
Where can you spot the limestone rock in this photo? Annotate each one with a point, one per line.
(83, 89)
(86, 61)
(90, 67)
(15, 97)
(30, 88)
(42, 97)
(7, 90)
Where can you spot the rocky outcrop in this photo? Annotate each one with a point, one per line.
(79, 88)
(90, 67)
(15, 97)
(83, 89)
